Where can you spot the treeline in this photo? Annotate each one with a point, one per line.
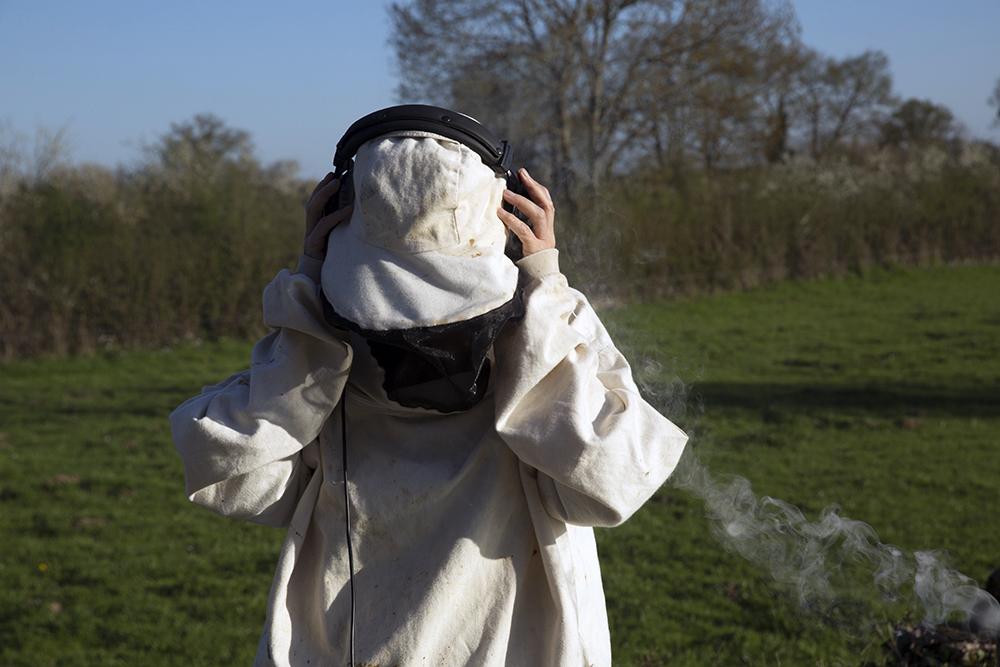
(180, 246)
(692, 145)
(175, 248)
(748, 227)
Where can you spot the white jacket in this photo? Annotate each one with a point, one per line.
(471, 531)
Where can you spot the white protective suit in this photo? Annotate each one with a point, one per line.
(472, 531)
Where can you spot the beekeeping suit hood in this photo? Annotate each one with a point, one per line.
(419, 270)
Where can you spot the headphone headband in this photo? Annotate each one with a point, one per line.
(495, 153)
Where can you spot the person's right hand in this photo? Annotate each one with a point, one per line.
(538, 208)
(318, 226)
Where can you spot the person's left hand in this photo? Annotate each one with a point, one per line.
(540, 211)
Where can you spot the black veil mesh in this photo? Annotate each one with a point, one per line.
(443, 367)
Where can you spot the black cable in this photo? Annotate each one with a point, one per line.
(347, 513)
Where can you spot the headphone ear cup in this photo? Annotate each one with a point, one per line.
(345, 194)
(515, 185)
(513, 249)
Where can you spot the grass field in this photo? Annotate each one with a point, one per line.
(881, 394)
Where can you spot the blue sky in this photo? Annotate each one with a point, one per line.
(115, 74)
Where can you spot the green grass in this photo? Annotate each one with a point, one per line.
(881, 394)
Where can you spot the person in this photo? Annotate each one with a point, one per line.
(435, 515)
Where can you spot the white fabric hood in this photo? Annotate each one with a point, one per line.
(424, 245)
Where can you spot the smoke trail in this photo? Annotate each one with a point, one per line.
(816, 558)
(837, 566)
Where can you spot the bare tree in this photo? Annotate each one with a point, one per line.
(843, 98)
(757, 61)
(589, 85)
(780, 62)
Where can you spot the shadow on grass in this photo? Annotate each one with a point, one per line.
(894, 398)
(890, 399)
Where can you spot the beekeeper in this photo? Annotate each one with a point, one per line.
(438, 427)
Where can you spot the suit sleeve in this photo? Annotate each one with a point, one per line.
(248, 444)
(569, 408)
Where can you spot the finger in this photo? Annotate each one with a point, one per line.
(326, 179)
(327, 223)
(539, 193)
(319, 198)
(525, 205)
(519, 227)
(324, 189)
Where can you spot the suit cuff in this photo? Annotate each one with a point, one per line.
(539, 264)
(310, 266)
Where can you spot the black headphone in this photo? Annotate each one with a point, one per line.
(497, 154)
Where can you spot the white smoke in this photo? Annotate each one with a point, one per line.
(818, 559)
(834, 564)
